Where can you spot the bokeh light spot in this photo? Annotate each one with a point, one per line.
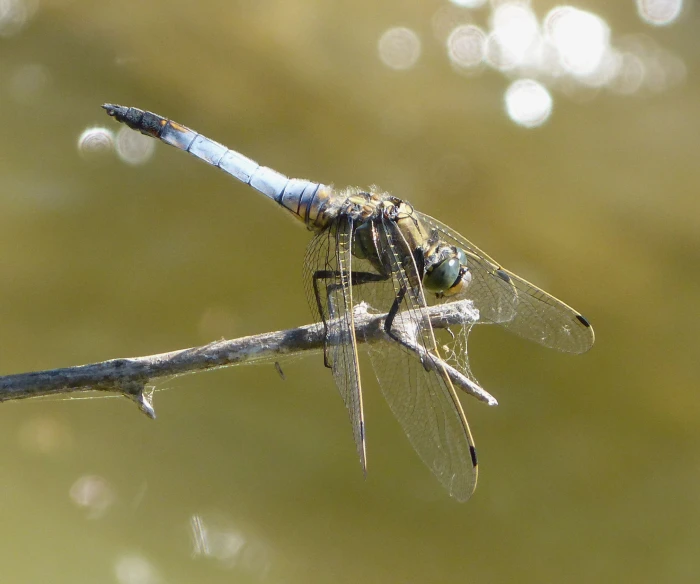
(582, 38)
(133, 147)
(45, 435)
(95, 141)
(497, 55)
(659, 12)
(399, 48)
(466, 46)
(528, 103)
(469, 3)
(135, 569)
(515, 28)
(14, 15)
(93, 493)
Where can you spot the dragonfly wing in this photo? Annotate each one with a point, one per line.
(413, 381)
(328, 276)
(533, 314)
(547, 320)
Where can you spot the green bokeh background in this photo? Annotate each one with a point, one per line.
(590, 466)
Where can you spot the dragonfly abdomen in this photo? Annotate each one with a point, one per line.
(306, 200)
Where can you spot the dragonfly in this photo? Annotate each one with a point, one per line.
(372, 249)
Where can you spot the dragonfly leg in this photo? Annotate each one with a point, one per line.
(334, 275)
(393, 311)
(388, 323)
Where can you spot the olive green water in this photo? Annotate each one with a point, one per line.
(590, 465)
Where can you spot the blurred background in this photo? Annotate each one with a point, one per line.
(563, 140)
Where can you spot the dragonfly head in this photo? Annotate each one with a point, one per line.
(448, 274)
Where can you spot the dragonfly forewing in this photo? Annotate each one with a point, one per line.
(531, 312)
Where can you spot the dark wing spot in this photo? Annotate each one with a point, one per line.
(472, 451)
(583, 321)
(503, 276)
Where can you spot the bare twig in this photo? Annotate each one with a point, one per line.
(131, 375)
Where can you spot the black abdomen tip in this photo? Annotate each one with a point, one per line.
(132, 117)
(114, 110)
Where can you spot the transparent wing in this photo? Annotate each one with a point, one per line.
(328, 277)
(532, 313)
(452, 344)
(415, 385)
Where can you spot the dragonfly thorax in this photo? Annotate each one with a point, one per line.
(363, 206)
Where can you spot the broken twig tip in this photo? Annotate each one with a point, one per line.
(143, 396)
(145, 403)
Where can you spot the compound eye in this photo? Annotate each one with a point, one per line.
(443, 276)
(460, 285)
(461, 256)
